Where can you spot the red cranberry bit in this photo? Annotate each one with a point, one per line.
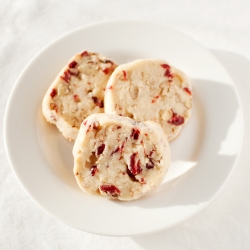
(150, 164)
(118, 127)
(124, 75)
(150, 153)
(106, 71)
(66, 76)
(97, 102)
(153, 101)
(110, 190)
(93, 170)
(135, 133)
(134, 168)
(85, 123)
(167, 72)
(139, 169)
(110, 87)
(76, 98)
(95, 125)
(188, 91)
(176, 120)
(119, 149)
(53, 93)
(165, 66)
(115, 151)
(100, 149)
(122, 147)
(73, 64)
(157, 96)
(84, 53)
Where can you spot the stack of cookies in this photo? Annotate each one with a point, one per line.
(121, 119)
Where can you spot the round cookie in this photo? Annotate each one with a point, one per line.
(117, 157)
(77, 92)
(150, 89)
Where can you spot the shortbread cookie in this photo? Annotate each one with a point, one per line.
(77, 92)
(117, 157)
(150, 90)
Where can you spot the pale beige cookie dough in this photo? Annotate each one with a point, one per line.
(119, 158)
(150, 89)
(77, 92)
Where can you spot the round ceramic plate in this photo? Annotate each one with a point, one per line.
(203, 156)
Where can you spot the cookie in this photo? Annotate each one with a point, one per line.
(150, 89)
(77, 92)
(119, 158)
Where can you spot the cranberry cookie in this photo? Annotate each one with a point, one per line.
(150, 89)
(117, 157)
(77, 92)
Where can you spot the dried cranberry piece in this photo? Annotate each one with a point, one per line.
(124, 75)
(118, 127)
(176, 120)
(85, 123)
(139, 169)
(150, 153)
(188, 91)
(135, 133)
(95, 125)
(110, 190)
(134, 168)
(100, 149)
(115, 151)
(150, 164)
(167, 72)
(106, 70)
(66, 76)
(76, 98)
(165, 66)
(84, 53)
(110, 87)
(119, 149)
(73, 64)
(93, 170)
(53, 93)
(97, 101)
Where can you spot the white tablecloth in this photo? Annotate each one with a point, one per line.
(221, 26)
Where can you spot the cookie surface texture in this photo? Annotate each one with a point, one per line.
(77, 92)
(150, 89)
(119, 158)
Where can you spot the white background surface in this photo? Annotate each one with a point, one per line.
(221, 26)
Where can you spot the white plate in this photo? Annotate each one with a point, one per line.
(204, 155)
